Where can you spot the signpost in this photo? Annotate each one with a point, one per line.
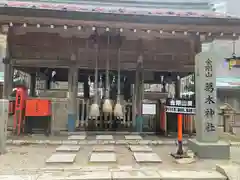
(180, 107)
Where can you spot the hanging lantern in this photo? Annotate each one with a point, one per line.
(118, 110)
(94, 109)
(233, 61)
(107, 105)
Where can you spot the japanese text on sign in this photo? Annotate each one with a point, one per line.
(208, 68)
(209, 110)
(181, 110)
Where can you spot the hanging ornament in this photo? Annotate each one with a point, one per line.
(161, 84)
(94, 109)
(172, 90)
(118, 110)
(113, 89)
(107, 105)
(101, 87)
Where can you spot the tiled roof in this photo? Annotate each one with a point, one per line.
(112, 9)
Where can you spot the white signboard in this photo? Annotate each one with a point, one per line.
(149, 109)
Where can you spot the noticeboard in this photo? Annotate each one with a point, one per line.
(149, 109)
(180, 106)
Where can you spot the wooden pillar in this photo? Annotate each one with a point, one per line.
(11, 72)
(134, 100)
(139, 94)
(7, 71)
(177, 87)
(33, 85)
(72, 97)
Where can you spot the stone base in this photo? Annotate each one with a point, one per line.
(218, 150)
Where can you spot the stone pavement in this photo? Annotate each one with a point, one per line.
(120, 175)
(103, 153)
(79, 156)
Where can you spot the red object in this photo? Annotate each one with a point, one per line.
(11, 108)
(21, 95)
(38, 107)
(163, 119)
(180, 118)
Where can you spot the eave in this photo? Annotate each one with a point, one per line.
(155, 19)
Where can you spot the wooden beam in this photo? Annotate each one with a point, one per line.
(152, 66)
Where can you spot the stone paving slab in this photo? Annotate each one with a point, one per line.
(77, 137)
(103, 157)
(61, 158)
(143, 157)
(232, 171)
(70, 142)
(133, 137)
(143, 175)
(104, 137)
(191, 175)
(105, 175)
(17, 177)
(68, 148)
(104, 148)
(140, 148)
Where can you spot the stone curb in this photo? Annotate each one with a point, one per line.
(106, 133)
(99, 142)
(90, 142)
(231, 171)
(146, 174)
